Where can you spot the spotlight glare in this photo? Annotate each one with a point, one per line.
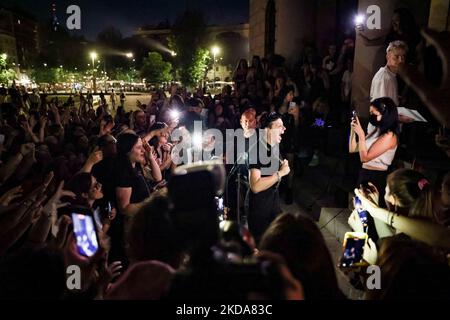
(359, 19)
(197, 140)
(174, 114)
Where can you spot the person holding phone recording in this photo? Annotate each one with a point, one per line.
(89, 195)
(411, 209)
(377, 148)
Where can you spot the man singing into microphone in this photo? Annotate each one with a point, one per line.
(266, 171)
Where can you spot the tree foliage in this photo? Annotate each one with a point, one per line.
(55, 75)
(6, 74)
(155, 70)
(127, 75)
(188, 41)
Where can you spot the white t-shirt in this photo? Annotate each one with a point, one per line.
(384, 84)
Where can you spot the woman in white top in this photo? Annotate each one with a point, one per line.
(377, 148)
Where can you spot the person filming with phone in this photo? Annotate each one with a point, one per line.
(377, 148)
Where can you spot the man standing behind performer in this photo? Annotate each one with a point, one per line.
(266, 173)
(248, 124)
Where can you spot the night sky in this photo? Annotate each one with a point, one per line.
(127, 15)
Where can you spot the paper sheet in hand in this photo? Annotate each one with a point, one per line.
(413, 114)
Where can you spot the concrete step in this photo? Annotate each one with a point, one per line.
(306, 195)
(335, 221)
(317, 176)
(325, 202)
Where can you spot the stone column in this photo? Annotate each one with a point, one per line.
(257, 27)
(368, 59)
(295, 22)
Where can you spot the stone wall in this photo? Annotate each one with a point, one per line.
(257, 26)
(369, 58)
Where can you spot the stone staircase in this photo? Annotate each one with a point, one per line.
(325, 193)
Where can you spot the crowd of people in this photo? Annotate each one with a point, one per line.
(158, 235)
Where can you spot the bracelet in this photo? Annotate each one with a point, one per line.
(278, 176)
(388, 219)
(392, 220)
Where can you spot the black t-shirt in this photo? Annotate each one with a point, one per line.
(133, 178)
(264, 157)
(263, 206)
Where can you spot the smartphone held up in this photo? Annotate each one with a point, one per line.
(354, 243)
(85, 233)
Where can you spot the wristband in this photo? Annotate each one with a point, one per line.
(388, 218)
(391, 222)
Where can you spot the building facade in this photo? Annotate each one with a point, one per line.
(24, 30)
(233, 40)
(284, 27)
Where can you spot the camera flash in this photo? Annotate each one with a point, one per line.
(359, 19)
(174, 114)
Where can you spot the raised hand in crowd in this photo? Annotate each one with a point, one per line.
(106, 127)
(154, 171)
(43, 123)
(41, 228)
(28, 128)
(10, 196)
(94, 158)
(106, 274)
(16, 221)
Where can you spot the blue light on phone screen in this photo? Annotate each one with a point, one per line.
(83, 227)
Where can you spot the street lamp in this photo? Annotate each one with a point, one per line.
(130, 56)
(215, 50)
(93, 56)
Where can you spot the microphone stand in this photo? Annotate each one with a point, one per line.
(238, 193)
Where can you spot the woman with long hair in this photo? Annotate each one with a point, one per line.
(409, 198)
(131, 185)
(377, 148)
(299, 241)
